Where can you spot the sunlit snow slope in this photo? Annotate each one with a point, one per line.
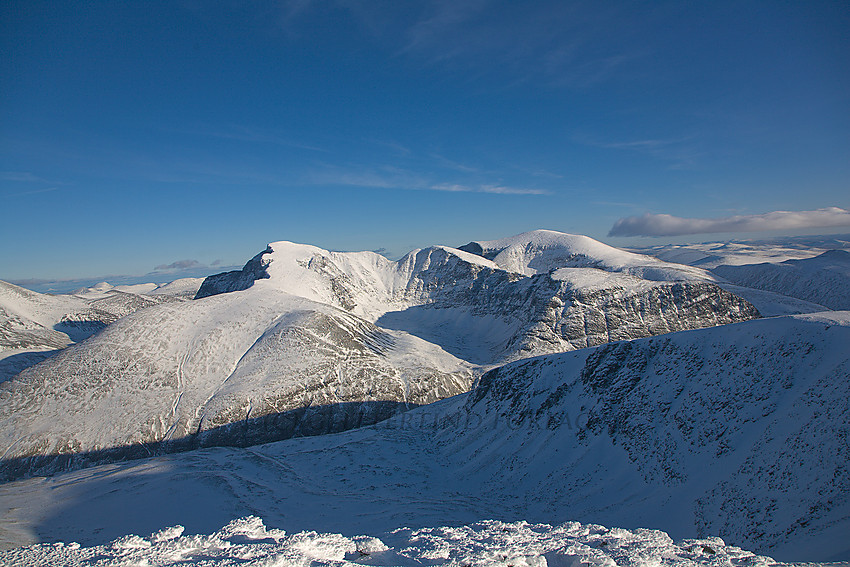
(234, 369)
(540, 251)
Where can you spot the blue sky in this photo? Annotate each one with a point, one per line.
(139, 134)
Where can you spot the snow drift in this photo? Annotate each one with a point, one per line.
(248, 542)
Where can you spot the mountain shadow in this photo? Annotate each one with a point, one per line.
(300, 422)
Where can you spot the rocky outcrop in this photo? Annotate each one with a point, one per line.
(237, 280)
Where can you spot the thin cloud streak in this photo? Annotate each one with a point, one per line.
(496, 189)
(397, 178)
(23, 176)
(33, 192)
(669, 225)
(673, 150)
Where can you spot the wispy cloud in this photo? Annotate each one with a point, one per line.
(497, 189)
(33, 192)
(21, 176)
(452, 164)
(384, 178)
(398, 178)
(564, 44)
(392, 145)
(669, 225)
(679, 151)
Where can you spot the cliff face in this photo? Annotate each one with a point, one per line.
(237, 280)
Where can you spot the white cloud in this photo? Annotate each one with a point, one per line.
(668, 225)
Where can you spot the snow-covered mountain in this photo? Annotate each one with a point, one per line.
(485, 313)
(306, 341)
(541, 251)
(736, 431)
(183, 287)
(824, 279)
(709, 255)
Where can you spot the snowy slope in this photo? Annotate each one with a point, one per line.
(540, 251)
(824, 279)
(183, 287)
(772, 304)
(34, 326)
(736, 431)
(248, 542)
(233, 369)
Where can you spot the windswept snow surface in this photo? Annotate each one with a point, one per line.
(34, 326)
(736, 431)
(248, 542)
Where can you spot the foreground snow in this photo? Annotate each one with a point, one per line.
(248, 542)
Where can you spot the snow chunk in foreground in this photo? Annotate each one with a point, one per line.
(248, 542)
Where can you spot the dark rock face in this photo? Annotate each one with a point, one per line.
(543, 314)
(236, 280)
(475, 248)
